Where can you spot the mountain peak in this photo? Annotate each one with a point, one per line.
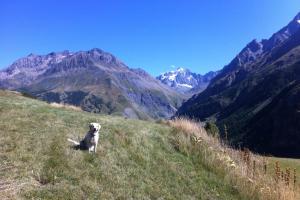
(181, 69)
(297, 17)
(294, 25)
(65, 52)
(283, 34)
(255, 48)
(31, 55)
(96, 50)
(184, 81)
(254, 45)
(95, 80)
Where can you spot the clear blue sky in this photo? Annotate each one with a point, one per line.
(201, 35)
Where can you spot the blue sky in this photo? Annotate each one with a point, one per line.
(155, 35)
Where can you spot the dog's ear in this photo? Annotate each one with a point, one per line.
(99, 126)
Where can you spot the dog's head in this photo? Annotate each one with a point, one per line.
(94, 127)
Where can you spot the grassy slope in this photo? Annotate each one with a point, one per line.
(285, 163)
(135, 158)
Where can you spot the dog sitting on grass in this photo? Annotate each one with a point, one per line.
(90, 141)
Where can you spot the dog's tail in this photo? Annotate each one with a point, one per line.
(73, 141)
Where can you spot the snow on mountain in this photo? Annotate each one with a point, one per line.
(184, 85)
(185, 81)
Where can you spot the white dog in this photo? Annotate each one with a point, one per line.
(90, 141)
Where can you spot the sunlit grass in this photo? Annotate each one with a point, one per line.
(135, 160)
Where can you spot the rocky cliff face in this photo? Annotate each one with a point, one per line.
(248, 86)
(94, 80)
(25, 70)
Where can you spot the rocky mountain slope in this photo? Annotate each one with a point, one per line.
(255, 94)
(94, 80)
(185, 81)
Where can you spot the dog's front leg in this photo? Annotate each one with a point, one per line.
(91, 149)
(95, 148)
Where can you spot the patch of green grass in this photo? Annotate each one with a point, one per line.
(285, 163)
(56, 165)
(135, 160)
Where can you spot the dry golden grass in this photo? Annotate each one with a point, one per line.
(247, 172)
(188, 127)
(67, 106)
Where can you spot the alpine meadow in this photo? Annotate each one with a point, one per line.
(150, 100)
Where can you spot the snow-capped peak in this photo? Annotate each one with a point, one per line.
(180, 69)
(171, 75)
(183, 80)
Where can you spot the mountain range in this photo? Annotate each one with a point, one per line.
(94, 80)
(186, 82)
(257, 95)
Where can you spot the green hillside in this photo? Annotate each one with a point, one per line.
(135, 160)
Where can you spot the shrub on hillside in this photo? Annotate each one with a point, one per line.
(28, 95)
(212, 129)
